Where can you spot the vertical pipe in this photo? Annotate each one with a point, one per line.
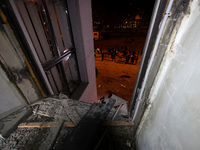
(150, 30)
(152, 57)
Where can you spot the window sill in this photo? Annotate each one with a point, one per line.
(79, 91)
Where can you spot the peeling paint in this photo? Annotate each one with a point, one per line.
(172, 122)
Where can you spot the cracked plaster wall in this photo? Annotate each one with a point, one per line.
(173, 120)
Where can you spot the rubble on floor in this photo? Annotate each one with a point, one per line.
(58, 111)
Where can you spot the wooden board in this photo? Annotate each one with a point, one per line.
(43, 124)
(70, 124)
(118, 123)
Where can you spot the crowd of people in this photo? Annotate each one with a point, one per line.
(123, 55)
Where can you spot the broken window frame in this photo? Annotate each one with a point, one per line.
(62, 57)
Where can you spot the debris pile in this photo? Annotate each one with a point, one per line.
(55, 110)
(49, 127)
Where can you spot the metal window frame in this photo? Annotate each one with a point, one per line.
(13, 21)
(157, 15)
(48, 66)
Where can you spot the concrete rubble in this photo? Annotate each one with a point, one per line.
(57, 110)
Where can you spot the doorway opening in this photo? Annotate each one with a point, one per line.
(122, 28)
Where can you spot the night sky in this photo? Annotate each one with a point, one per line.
(123, 4)
(107, 9)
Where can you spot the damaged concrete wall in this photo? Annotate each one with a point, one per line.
(171, 120)
(17, 85)
(10, 99)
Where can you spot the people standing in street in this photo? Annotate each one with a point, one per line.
(127, 59)
(117, 50)
(136, 58)
(132, 58)
(101, 50)
(102, 56)
(112, 53)
(98, 50)
(114, 56)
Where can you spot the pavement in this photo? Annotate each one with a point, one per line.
(115, 77)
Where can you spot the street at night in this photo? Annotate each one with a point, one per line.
(119, 31)
(116, 77)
